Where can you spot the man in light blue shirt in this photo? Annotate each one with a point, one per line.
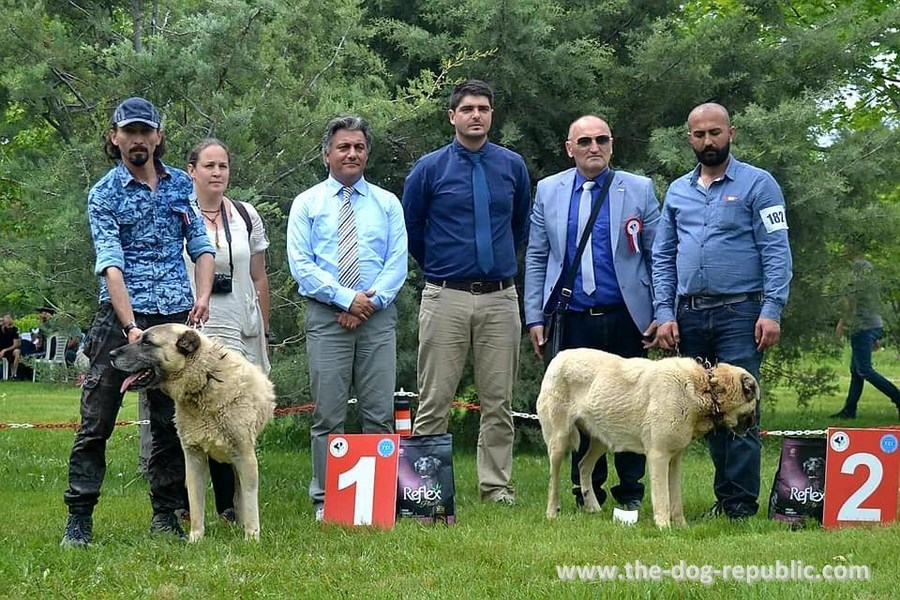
(347, 245)
(721, 271)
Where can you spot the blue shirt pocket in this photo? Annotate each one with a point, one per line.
(732, 214)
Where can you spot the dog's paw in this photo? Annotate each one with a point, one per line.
(251, 535)
(552, 513)
(591, 505)
(661, 523)
(195, 536)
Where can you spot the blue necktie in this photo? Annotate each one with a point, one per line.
(484, 248)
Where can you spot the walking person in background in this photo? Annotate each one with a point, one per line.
(862, 320)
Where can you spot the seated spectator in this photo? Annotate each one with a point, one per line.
(35, 343)
(45, 328)
(73, 346)
(9, 344)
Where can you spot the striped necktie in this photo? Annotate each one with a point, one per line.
(348, 260)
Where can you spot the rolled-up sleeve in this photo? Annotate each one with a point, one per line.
(196, 238)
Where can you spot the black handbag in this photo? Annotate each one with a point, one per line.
(562, 291)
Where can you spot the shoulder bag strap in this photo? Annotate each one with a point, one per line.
(567, 279)
(242, 210)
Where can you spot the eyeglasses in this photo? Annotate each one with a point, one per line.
(585, 142)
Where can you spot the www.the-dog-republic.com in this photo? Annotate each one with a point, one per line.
(795, 570)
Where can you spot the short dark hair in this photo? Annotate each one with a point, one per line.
(471, 87)
(113, 152)
(194, 154)
(349, 122)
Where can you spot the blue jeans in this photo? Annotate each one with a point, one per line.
(725, 334)
(861, 370)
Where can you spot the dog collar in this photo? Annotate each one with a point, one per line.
(713, 396)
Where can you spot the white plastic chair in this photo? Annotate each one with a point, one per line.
(4, 368)
(56, 356)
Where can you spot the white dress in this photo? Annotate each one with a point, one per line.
(235, 319)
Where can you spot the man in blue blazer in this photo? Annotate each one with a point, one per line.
(611, 307)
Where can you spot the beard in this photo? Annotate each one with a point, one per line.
(138, 157)
(712, 157)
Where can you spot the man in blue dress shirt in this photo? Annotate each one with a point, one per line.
(466, 207)
(613, 311)
(721, 271)
(140, 221)
(347, 250)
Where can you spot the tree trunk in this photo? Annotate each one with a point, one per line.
(136, 19)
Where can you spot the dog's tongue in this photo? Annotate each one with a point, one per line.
(128, 381)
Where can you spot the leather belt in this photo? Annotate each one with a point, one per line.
(597, 311)
(474, 286)
(704, 302)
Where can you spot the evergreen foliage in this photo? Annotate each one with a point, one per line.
(265, 76)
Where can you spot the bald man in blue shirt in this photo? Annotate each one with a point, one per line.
(721, 271)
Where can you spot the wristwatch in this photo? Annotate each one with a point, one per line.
(127, 329)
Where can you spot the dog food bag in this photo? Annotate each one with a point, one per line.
(425, 478)
(798, 491)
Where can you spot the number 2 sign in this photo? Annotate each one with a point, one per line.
(361, 479)
(862, 467)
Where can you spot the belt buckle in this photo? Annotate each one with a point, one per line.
(476, 287)
(596, 312)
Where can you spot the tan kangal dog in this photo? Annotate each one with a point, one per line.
(222, 402)
(638, 405)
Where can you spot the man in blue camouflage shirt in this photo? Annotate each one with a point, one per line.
(140, 221)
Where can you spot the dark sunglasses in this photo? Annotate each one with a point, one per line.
(585, 142)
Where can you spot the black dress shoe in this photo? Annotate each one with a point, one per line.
(631, 505)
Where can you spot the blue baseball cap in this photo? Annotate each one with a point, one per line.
(136, 110)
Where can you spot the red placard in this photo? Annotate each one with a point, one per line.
(862, 468)
(361, 479)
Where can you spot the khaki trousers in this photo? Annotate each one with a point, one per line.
(450, 321)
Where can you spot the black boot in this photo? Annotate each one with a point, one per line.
(166, 523)
(79, 531)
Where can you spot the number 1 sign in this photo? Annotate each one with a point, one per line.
(862, 467)
(361, 479)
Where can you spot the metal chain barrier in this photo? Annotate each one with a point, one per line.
(295, 409)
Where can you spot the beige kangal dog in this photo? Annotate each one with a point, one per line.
(638, 405)
(222, 402)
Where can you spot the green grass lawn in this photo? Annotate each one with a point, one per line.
(493, 551)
